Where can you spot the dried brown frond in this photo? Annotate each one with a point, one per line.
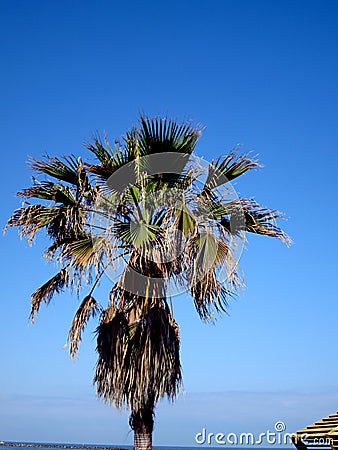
(46, 291)
(255, 219)
(31, 218)
(138, 361)
(210, 297)
(88, 308)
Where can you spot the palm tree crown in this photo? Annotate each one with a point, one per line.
(142, 204)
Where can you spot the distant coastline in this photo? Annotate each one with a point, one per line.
(64, 446)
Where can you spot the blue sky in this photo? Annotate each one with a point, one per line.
(260, 73)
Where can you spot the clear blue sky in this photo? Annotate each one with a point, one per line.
(260, 73)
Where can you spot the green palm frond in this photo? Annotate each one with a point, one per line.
(138, 233)
(46, 292)
(216, 209)
(103, 152)
(212, 250)
(154, 136)
(228, 168)
(48, 190)
(59, 245)
(82, 254)
(66, 170)
(185, 220)
(110, 158)
(88, 308)
(157, 135)
(206, 251)
(131, 196)
(164, 136)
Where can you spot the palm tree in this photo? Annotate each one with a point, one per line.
(165, 226)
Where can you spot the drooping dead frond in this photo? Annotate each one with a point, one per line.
(69, 224)
(61, 222)
(257, 219)
(261, 220)
(210, 297)
(31, 218)
(212, 273)
(46, 291)
(138, 361)
(88, 308)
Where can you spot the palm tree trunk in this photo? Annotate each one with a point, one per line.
(142, 422)
(143, 439)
